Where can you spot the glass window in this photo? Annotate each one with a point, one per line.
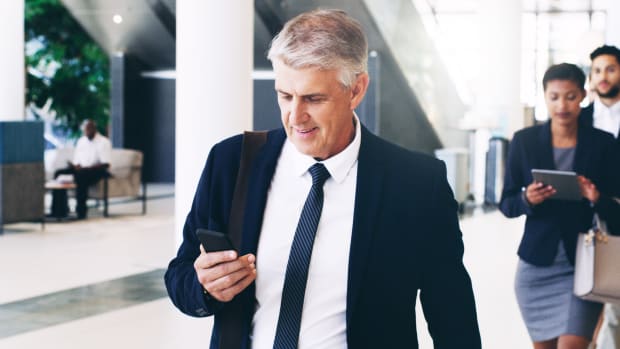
(552, 31)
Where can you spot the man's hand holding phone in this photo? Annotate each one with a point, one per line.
(222, 273)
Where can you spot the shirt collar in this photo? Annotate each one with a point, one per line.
(614, 109)
(95, 138)
(338, 165)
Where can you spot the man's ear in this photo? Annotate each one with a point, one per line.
(358, 90)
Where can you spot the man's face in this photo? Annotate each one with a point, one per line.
(90, 130)
(605, 76)
(316, 111)
(562, 98)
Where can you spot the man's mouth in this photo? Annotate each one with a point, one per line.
(306, 131)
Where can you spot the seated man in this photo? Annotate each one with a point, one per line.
(90, 164)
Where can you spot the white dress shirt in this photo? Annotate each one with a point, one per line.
(607, 118)
(92, 152)
(323, 321)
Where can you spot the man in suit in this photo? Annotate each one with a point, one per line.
(604, 114)
(388, 224)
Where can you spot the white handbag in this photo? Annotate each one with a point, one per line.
(597, 265)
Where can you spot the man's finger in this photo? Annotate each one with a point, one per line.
(229, 293)
(211, 259)
(224, 268)
(229, 280)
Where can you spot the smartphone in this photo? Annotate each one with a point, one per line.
(214, 241)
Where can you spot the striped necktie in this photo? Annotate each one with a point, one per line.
(291, 306)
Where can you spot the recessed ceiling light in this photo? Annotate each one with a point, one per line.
(118, 19)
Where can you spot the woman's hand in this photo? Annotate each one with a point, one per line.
(588, 189)
(537, 192)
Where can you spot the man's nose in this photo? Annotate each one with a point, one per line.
(297, 110)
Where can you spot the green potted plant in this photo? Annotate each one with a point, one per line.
(67, 72)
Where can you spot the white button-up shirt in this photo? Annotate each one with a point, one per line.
(323, 321)
(607, 118)
(92, 152)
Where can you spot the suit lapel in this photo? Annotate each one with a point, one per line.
(370, 176)
(582, 153)
(545, 149)
(586, 117)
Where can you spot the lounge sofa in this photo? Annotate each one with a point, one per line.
(125, 175)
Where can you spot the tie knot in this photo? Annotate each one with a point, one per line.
(319, 174)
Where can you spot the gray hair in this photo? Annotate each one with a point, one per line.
(326, 39)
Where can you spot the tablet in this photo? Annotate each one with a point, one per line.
(564, 182)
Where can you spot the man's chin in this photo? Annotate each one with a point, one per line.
(304, 147)
(611, 93)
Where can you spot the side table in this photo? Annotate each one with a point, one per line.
(59, 191)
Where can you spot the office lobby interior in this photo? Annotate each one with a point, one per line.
(453, 79)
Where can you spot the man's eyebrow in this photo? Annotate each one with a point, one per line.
(317, 94)
(308, 95)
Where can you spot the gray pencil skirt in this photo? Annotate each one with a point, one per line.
(547, 304)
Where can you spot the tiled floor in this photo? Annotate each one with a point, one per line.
(97, 283)
(80, 302)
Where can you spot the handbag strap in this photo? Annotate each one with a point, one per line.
(599, 229)
(251, 144)
(233, 318)
(600, 224)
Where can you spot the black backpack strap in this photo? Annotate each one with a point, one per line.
(232, 317)
(251, 144)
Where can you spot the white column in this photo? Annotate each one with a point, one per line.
(12, 66)
(500, 62)
(612, 35)
(214, 63)
(497, 109)
(499, 84)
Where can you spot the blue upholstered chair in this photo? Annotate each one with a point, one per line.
(21, 172)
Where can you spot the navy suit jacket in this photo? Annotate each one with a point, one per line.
(405, 238)
(587, 118)
(554, 220)
(587, 115)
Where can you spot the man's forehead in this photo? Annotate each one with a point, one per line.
(606, 60)
(280, 67)
(305, 78)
